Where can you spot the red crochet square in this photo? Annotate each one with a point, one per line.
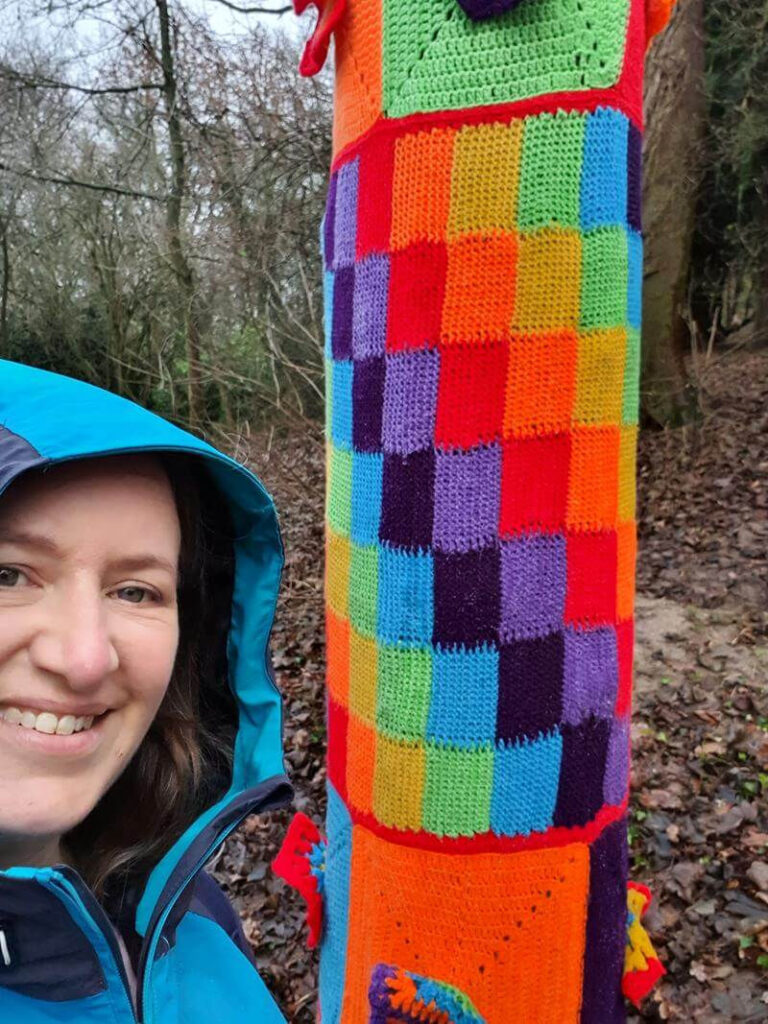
(625, 638)
(591, 594)
(532, 499)
(416, 292)
(337, 746)
(374, 203)
(470, 396)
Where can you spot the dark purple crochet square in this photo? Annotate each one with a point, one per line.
(407, 500)
(369, 317)
(467, 496)
(410, 400)
(530, 687)
(602, 1000)
(467, 597)
(367, 402)
(343, 303)
(635, 178)
(479, 10)
(580, 792)
(329, 223)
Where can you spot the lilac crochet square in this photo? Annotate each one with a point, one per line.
(407, 500)
(530, 687)
(345, 220)
(467, 495)
(329, 223)
(580, 794)
(617, 764)
(343, 299)
(467, 598)
(533, 582)
(369, 320)
(591, 674)
(410, 401)
(367, 403)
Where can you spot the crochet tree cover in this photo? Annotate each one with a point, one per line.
(483, 260)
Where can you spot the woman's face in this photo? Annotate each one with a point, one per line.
(88, 635)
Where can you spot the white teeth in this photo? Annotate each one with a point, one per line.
(46, 721)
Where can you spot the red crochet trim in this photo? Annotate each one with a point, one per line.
(292, 864)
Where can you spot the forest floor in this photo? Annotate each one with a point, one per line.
(699, 806)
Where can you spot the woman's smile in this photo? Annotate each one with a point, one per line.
(44, 732)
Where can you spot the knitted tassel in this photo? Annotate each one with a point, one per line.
(301, 863)
(315, 52)
(642, 968)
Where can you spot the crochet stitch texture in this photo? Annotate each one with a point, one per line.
(483, 261)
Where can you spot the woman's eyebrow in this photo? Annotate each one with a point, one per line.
(23, 538)
(134, 563)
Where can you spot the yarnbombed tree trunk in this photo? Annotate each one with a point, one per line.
(483, 263)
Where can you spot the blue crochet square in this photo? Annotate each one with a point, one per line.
(604, 171)
(462, 709)
(338, 865)
(366, 497)
(635, 279)
(405, 607)
(341, 417)
(525, 782)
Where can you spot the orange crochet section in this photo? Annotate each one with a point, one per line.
(494, 931)
(358, 71)
(657, 14)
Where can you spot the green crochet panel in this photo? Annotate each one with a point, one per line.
(436, 58)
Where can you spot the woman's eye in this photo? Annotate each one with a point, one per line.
(135, 595)
(9, 576)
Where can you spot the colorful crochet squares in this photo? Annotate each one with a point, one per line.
(486, 934)
(482, 385)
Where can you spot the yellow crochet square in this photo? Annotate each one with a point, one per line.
(600, 376)
(398, 783)
(548, 280)
(337, 556)
(486, 171)
(421, 186)
(627, 473)
(363, 672)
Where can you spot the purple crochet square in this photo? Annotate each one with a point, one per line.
(329, 223)
(530, 687)
(407, 500)
(343, 299)
(467, 598)
(533, 582)
(369, 322)
(345, 220)
(410, 401)
(602, 1001)
(591, 674)
(580, 793)
(616, 780)
(467, 495)
(635, 178)
(479, 10)
(367, 403)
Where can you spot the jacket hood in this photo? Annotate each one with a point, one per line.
(46, 418)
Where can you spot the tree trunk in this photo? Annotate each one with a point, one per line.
(674, 103)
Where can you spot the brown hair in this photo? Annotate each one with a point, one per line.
(184, 762)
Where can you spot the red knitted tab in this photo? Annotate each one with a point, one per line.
(298, 863)
(315, 53)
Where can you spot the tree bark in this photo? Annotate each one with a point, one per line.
(674, 103)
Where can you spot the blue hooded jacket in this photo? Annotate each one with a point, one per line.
(59, 958)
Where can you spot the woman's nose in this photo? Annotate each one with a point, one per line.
(74, 641)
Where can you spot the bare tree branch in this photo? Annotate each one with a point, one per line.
(33, 82)
(74, 183)
(254, 10)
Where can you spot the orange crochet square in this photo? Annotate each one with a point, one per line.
(357, 99)
(480, 288)
(398, 784)
(337, 558)
(600, 376)
(541, 384)
(361, 761)
(626, 540)
(362, 678)
(593, 486)
(491, 925)
(628, 473)
(421, 187)
(548, 280)
(486, 170)
(337, 656)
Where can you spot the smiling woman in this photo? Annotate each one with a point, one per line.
(139, 723)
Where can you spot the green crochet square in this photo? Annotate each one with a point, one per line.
(604, 276)
(550, 175)
(457, 792)
(405, 686)
(339, 495)
(631, 393)
(363, 588)
(435, 57)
